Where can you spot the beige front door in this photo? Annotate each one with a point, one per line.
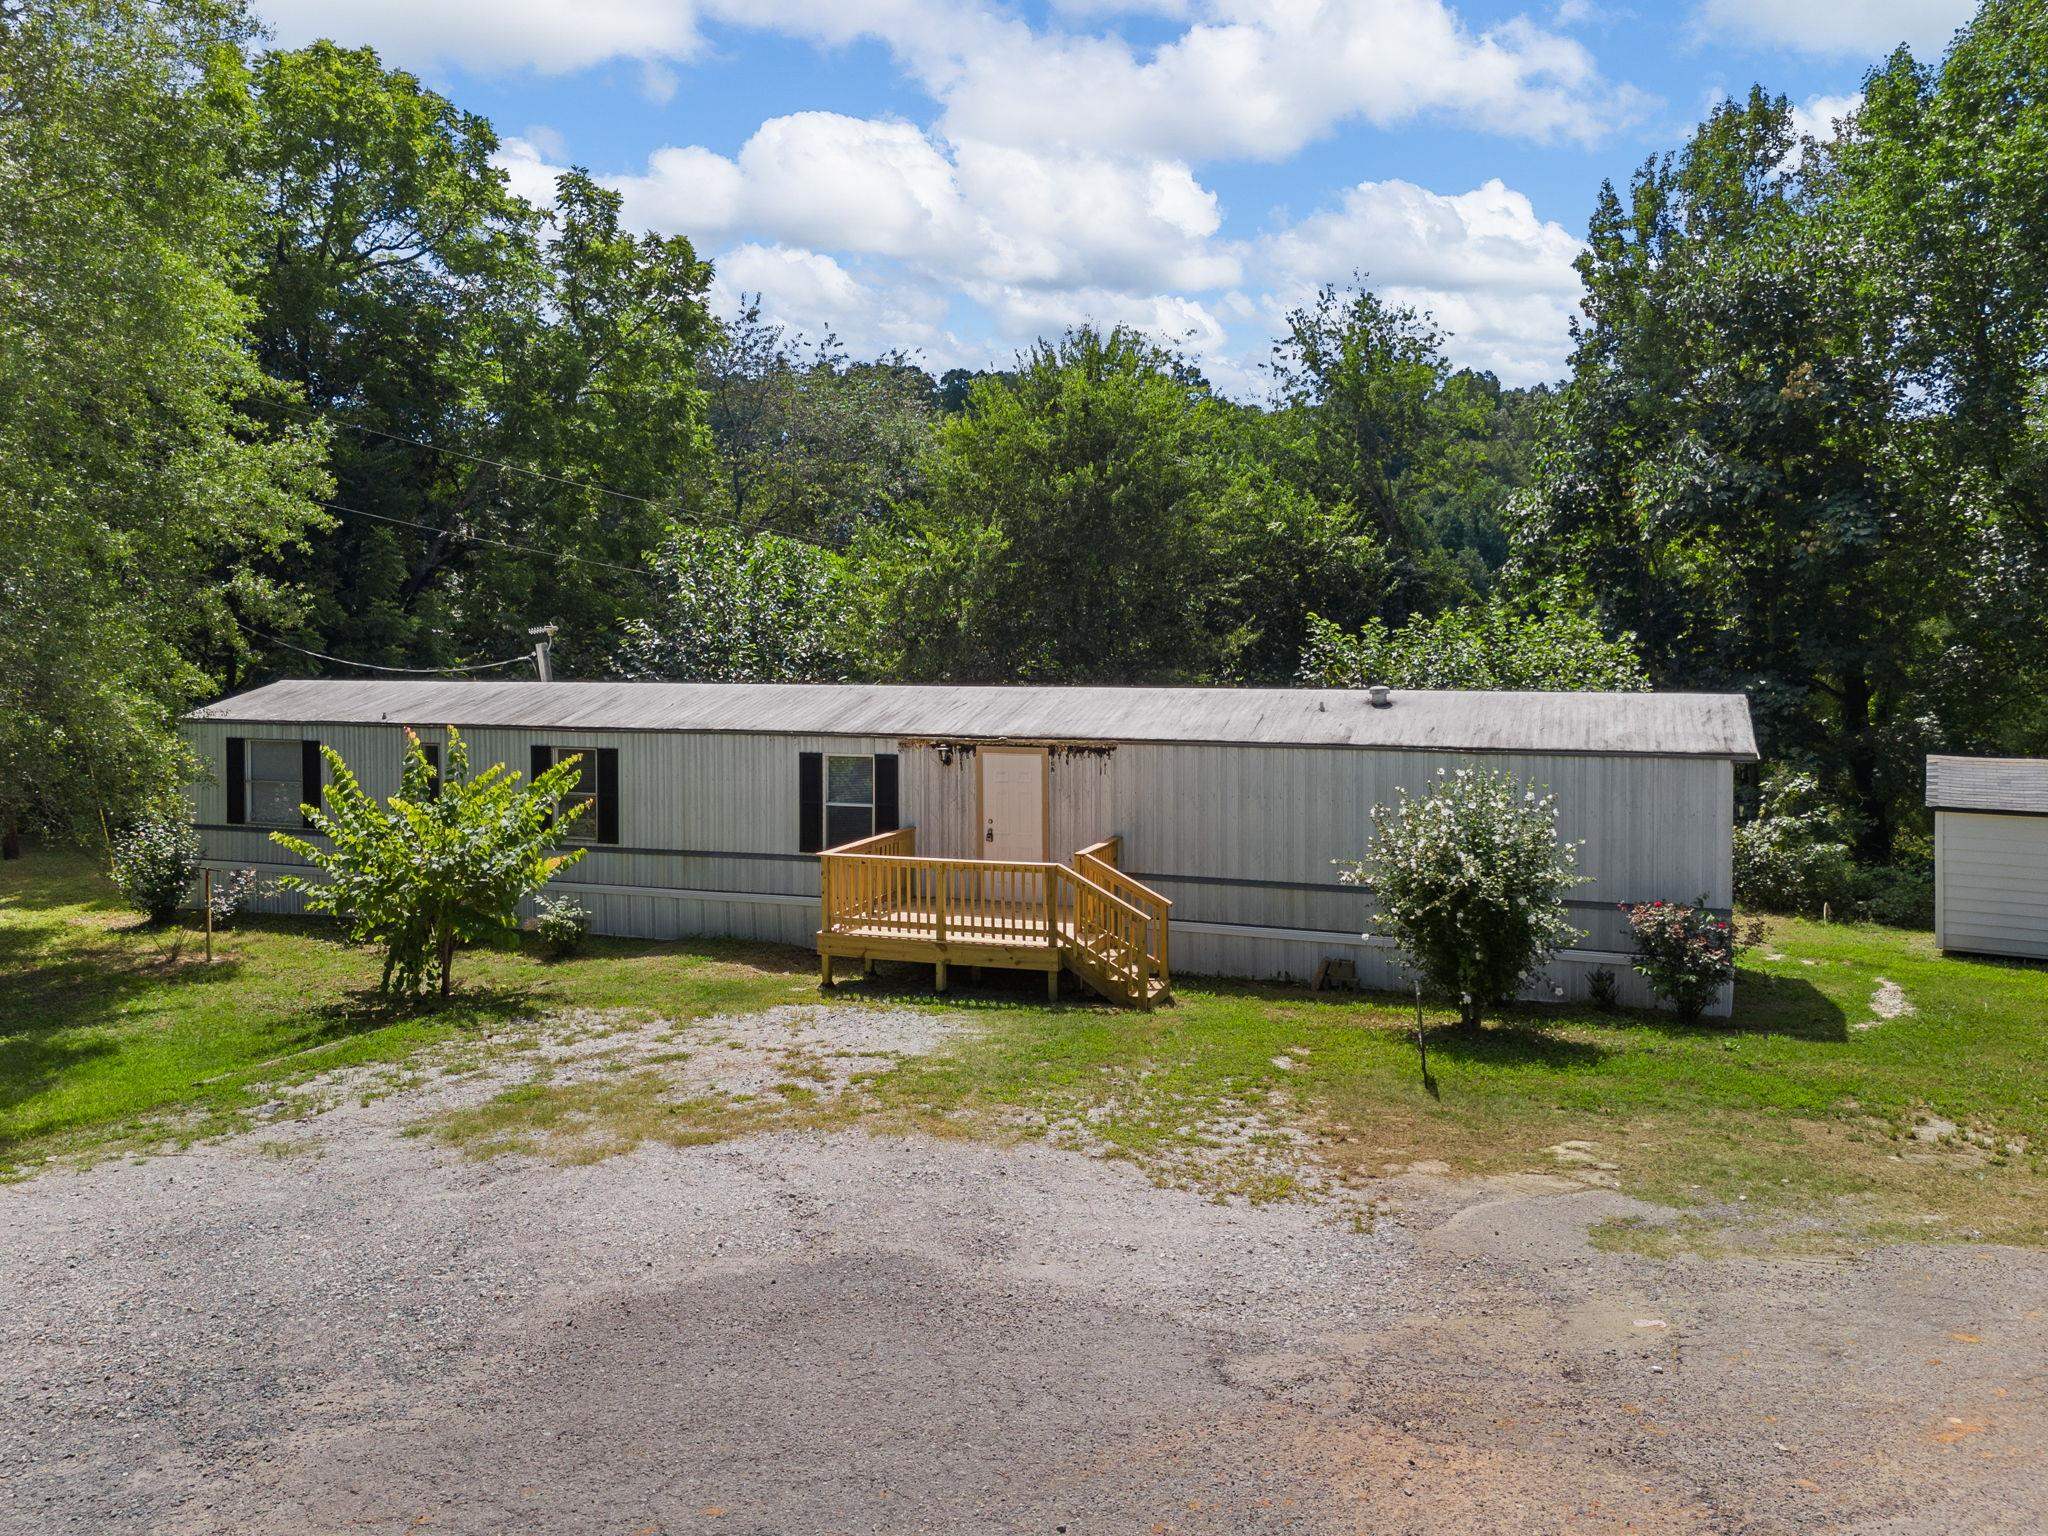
(1013, 804)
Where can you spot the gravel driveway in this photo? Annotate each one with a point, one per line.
(795, 1333)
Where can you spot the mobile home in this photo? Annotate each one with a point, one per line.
(1213, 819)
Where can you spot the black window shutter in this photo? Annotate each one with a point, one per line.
(810, 801)
(309, 775)
(607, 794)
(539, 763)
(237, 775)
(885, 792)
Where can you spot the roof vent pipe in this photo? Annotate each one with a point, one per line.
(1381, 695)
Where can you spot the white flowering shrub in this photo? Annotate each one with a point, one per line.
(155, 863)
(562, 924)
(1470, 880)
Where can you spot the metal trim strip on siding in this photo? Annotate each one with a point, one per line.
(1339, 888)
(663, 853)
(1980, 810)
(779, 899)
(1357, 941)
(666, 892)
(1316, 887)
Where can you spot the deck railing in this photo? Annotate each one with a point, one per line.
(880, 888)
(1099, 863)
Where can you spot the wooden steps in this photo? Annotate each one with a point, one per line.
(879, 901)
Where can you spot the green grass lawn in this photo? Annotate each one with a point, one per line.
(1804, 1112)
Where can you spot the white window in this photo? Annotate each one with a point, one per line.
(849, 799)
(276, 785)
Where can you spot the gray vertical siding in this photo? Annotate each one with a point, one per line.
(1245, 837)
(1240, 837)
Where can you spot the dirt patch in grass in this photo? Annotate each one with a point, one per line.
(607, 1088)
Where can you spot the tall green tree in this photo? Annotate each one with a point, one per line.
(738, 608)
(1548, 644)
(1722, 472)
(486, 366)
(1939, 187)
(1098, 516)
(811, 443)
(1361, 382)
(138, 486)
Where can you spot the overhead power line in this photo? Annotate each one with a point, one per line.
(484, 538)
(343, 661)
(669, 503)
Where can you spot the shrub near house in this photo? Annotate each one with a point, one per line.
(446, 860)
(1470, 881)
(1685, 953)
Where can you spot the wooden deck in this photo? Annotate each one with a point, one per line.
(880, 901)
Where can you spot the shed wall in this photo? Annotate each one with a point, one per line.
(1991, 883)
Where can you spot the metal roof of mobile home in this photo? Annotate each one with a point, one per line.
(1988, 784)
(1639, 724)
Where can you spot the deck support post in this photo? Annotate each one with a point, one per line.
(1052, 985)
(824, 968)
(939, 974)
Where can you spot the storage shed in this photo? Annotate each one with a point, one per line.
(1990, 854)
(1219, 814)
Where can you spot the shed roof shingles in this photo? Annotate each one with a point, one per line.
(1988, 784)
(1648, 724)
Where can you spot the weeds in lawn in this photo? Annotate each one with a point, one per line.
(1933, 1124)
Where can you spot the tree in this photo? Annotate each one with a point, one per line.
(138, 487)
(735, 609)
(445, 861)
(1478, 449)
(1939, 187)
(503, 380)
(1469, 880)
(1724, 474)
(1549, 644)
(810, 443)
(1099, 516)
(1361, 381)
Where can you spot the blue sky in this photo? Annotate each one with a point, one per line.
(953, 178)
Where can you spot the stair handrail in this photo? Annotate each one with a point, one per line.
(1102, 856)
(1132, 961)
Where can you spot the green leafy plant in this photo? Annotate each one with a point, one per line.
(1603, 989)
(155, 863)
(1794, 855)
(1547, 643)
(230, 891)
(438, 864)
(1470, 881)
(561, 925)
(1685, 952)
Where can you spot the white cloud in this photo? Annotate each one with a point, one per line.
(1259, 81)
(1816, 117)
(971, 211)
(1840, 27)
(1495, 276)
(1243, 78)
(815, 295)
(546, 35)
